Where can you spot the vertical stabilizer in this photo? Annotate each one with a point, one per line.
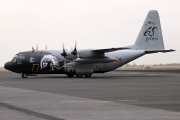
(150, 36)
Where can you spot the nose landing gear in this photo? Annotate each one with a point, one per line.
(23, 75)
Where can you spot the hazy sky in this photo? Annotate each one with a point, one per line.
(92, 23)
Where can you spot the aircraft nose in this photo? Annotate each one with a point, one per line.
(8, 65)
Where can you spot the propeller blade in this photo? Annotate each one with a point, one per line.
(64, 52)
(74, 52)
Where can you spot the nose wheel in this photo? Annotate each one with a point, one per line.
(23, 75)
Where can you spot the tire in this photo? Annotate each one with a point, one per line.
(24, 75)
(88, 75)
(70, 75)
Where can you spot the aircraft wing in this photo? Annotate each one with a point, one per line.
(100, 51)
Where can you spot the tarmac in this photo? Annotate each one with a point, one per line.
(117, 95)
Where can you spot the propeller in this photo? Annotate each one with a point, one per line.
(64, 52)
(74, 52)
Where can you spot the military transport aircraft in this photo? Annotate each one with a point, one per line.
(86, 62)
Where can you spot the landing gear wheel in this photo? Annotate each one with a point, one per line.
(70, 75)
(88, 75)
(79, 76)
(24, 75)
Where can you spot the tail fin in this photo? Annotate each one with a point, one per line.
(150, 36)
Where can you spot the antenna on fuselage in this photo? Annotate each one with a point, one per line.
(46, 47)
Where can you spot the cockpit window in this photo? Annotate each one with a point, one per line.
(20, 56)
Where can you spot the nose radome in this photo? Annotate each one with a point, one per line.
(8, 66)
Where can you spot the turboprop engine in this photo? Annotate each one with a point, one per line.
(86, 54)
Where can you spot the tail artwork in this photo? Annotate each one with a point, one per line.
(150, 36)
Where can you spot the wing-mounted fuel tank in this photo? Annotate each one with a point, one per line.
(96, 60)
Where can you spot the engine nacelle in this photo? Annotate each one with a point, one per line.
(86, 53)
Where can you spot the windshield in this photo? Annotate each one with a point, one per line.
(20, 56)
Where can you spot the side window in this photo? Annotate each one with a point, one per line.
(18, 57)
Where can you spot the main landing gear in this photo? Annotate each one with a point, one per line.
(70, 75)
(88, 75)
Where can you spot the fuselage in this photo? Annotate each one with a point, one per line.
(52, 62)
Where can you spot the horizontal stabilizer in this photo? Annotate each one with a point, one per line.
(156, 51)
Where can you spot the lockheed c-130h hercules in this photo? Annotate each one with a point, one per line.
(86, 62)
